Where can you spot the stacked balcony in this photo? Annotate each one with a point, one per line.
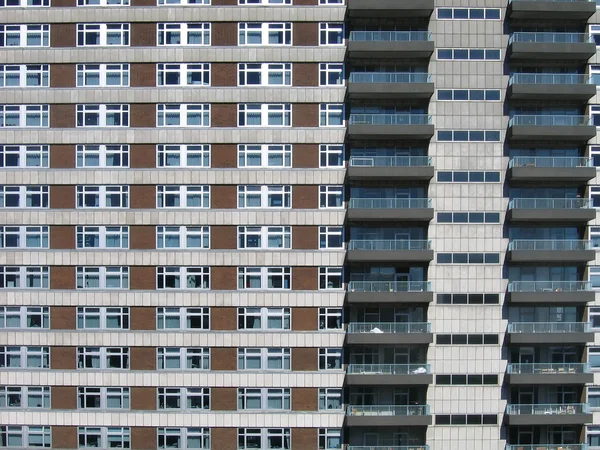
(551, 46)
(551, 9)
(550, 169)
(390, 44)
(549, 373)
(550, 292)
(550, 86)
(386, 85)
(565, 210)
(549, 414)
(390, 8)
(541, 250)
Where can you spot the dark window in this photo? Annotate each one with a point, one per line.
(460, 299)
(492, 218)
(445, 94)
(492, 94)
(444, 258)
(444, 299)
(461, 94)
(490, 339)
(475, 339)
(459, 379)
(445, 13)
(477, 13)
(459, 258)
(490, 419)
(459, 339)
(444, 217)
(490, 379)
(492, 258)
(491, 299)
(458, 419)
(442, 420)
(461, 136)
(476, 217)
(474, 379)
(476, 299)
(475, 258)
(477, 136)
(477, 53)
(474, 419)
(461, 177)
(492, 177)
(461, 54)
(442, 379)
(444, 339)
(476, 177)
(444, 136)
(461, 13)
(444, 176)
(477, 94)
(492, 14)
(461, 218)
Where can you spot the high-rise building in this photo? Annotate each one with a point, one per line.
(299, 224)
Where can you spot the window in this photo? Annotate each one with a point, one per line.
(25, 317)
(30, 397)
(330, 438)
(14, 357)
(24, 277)
(468, 217)
(25, 436)
(264, 359)
(468, 299)
(24, 116)
(102, 34)
(264, 278)
(594, 277)
(331, 197)
(103, 277)
(487, 54)
(21, 156)
(468, 258)
(595, 196)
(102, 75)
(184, 438)
(183, 398)
(595, 32)
(265, 155)
(102, 115)
(475, 379)
(594, 317)
(24, 237)
(593, 397)
(102, 237)
(102, 196)
(331, 74)
(468, 13)
(331, 2)
(264, 237)
(182, 318)
(264, 74)
(182, 196)
(331, 33)
(468, 94)
(466, 419)
(264, 319)
(102, 155)
(330, 399)
(265, 399)
(103, 397)
(183, 277)
(330, 278)
(110, 3)
(183, 115)
(102, 318)
(184, 34)
(171, 358)
(264, 438)
(264, 115)
(468, 177)
(595, 236)
(24, 3)
(182, 237)
(272, 196)
(24, 35)
(265, 2)
(183, 155)
(468, 136)
(183, 2)
(103, 357)
(331, 115)
(593, 436)
(331, 237)
(595, 115)
(467, 339)
(30, 197)
(104, 437)
(330, 319)
(331, 155)
(264, 33)
(330, 358)
(595, 155)
(24, 75)
(183, 74)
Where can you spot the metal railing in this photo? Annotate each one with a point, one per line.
(548, 446)
(549, 37)
(549, 203)
(389, 447)
(389, 203)
(392, 244)
(389, 77)
(388, 369)
(390, 119)
(389, 327)
(548, 78)
(543, 244)
(390, 36)
(549, 161)
(390, 161)
(548, 409)
(548, 286)
(387, 410)
(548, 368)
(550, 120)
(549, 327)
(389, 286)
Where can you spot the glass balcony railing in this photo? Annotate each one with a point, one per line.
(387, 410)
(548, 409)
(390, 161)
(548, 446)
(390, 119)
(548, 78)
(389, 203)
(548, 368)
(391, 245)
(388, 369)
(550, 38)
(388, 447)
(548, 286)
(390, 36)
(389, 286)
(549, 327)
(542, 244)
(549, 161)
(389, 77)
(549, 203)
(389, 327)
(555, 120)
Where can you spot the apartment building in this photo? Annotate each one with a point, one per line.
(299, 224)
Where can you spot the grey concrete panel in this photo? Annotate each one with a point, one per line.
(551, 91)
(389, 380)
(552, 297)
(388, 421)
(550, 379)
(367, 91)
(382, 215)
(549, 419)
(552, 215)
(580, 256)
(389, 297)
(390, 49)
(550, 10)
(550, 338)
(389, 255)
(389, 173)
(560, 174)
(389, 338)
(390, 8)
(366, 132)
(557, 51)
(581, 133)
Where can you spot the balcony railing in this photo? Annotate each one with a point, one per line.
(548, 78)
(389, 327)
(390, 161)
(389, 203)
(548, 368)
(387, 410)
(390, 119)
(542, 244)
(548, 286)
(389, 286)
(390, 36)
(549, 161)
(550, 120)
(390, 447)
(358, 244)
(549, 203)
(549, 327)
(388, 369)
(548, 409)
(389, 77)
(548, 446)
(549, 37)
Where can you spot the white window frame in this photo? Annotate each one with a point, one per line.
(103, 274)
(263, 154)
(328, 277)
(182, 155)
(107, 3)
(595, 114)
(249, 438)
(325, 434)
(22, 156)
(593, 392)
(266, 113)
(263, 355)
(183, 234)
(183, 318)
(330, 394)
(102, 115)
(183, 2)
(102, 194)
(104, 354)
(187, 274)
(27, 116)
(183, 396)
(593, 275)
(102, 30)
(183, 436)
(592, 431)
(325, 232)
(330, 195)
(326, 354)
(329, 33)
(192, 74)
(594, 194)
(167, 113)
(25, 433)
(329, 153)
(28, 197)
(251, 316)
(102, 156)
(24, 353)
(24, 397)
(24, 234)
(263, 396)
(184, 31)
(104, 73)
(266, 194)
(596, 351)
(264, 2)
(330, 318)
(104, 395)
(103, 235)
(23, 314)
(39, 32)
(21, 277)
(261, 236)
(164, 354)
(331, 115)
(265, 30)
(594, 312)
(264, 275)
(108, 436)
(263, 73)
(331, 2)
(24, 3)
(24, 74)
(328, 69)
(183, 195)
(105, 316)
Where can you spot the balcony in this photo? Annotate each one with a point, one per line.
(550, 169)
(387, 415)
(550, 332)
(389, 8)
(389, 251)
(547, 447)
(549, 414)
(546, 373)
(389, 85)
(388, 374)
(390, 209)
(565, 210)
(386, 292)
(550, 86)
(390, 333)
(551, 10)
(393, 447)
(390, 168)
(549, 45)
(550, 292)
(551, 128)
(390, 126)
(390, 44)
(539, 250)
